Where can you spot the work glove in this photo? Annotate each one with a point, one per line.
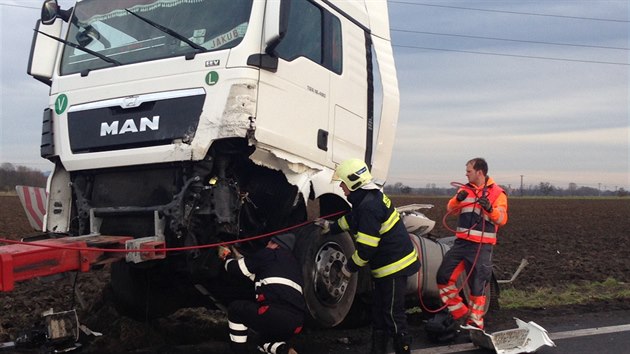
(485, 204)
(463, 194)
(223, 252)
(323, 224)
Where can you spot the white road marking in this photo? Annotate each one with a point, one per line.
(554, 336)
(590, 332)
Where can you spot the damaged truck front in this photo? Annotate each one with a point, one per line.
(189, 122)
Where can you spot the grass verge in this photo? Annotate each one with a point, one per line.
(571, 294)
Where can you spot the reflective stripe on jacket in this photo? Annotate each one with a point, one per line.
(381, 238)
(474, 223)
(276, 274)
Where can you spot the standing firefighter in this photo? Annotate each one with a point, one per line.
(482, 208)
(383, 243)
(278, 312)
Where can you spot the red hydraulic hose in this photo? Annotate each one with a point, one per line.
(187, 248)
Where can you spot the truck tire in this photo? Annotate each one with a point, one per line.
(492, 301)
(328, 296)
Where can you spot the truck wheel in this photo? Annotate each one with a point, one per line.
(492, 302)
(328, 296)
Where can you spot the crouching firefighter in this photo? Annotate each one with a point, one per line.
(482, 207)
(382, 242)
(278, 311)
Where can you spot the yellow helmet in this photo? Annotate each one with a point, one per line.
(354, 173)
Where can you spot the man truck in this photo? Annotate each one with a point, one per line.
(175, 125)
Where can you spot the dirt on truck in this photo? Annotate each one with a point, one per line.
(566, 242)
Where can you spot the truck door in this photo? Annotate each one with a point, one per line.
(294, 102)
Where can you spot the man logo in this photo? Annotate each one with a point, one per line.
(130, 126)
(131, 102)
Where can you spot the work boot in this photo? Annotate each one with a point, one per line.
(280, 349)
(441, 328)
(379, 342)
(402, 343)
(239, 348)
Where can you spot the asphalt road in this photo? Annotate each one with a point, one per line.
(606, 332)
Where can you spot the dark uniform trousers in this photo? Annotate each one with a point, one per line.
(461, 257)
(273, 322)
(388, 307)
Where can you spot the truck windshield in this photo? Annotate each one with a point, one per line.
(109, 28)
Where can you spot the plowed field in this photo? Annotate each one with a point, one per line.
(565, 241)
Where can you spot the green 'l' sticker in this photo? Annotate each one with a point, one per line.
(212, 78)
(61, 103)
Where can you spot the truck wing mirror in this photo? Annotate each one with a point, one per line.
(41, 62)
(51, 12)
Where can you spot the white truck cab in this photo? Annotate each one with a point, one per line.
(191, 122)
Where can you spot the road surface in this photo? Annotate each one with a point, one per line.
(603, 333)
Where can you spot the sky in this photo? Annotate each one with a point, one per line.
(539, 88)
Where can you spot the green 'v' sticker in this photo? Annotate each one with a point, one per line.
(61, 103)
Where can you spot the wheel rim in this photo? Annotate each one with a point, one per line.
(329, 284)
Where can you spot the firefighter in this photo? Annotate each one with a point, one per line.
(278, 311)
(382, 243)
(482, 207)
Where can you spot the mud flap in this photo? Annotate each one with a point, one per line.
(527, 338)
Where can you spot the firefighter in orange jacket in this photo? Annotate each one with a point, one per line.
(482, 207)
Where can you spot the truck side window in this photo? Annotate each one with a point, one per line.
(313, 33)
(335, 47)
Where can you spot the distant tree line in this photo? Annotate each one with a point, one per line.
(11, 176)
(541, 189)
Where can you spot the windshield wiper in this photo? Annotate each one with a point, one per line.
(89, 51)
(170, 32)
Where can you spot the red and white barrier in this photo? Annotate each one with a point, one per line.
(34, 201)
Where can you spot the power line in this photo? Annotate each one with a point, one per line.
(451, 7)
(507, 39)
(22, 6)
(511, 55)
(510, 12)
(482, 37)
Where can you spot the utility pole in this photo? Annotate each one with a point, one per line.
(521, 185)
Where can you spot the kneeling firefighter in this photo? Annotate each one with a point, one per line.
(278, 312)
(383, 243)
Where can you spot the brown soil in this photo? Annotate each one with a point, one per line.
(566, 241)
